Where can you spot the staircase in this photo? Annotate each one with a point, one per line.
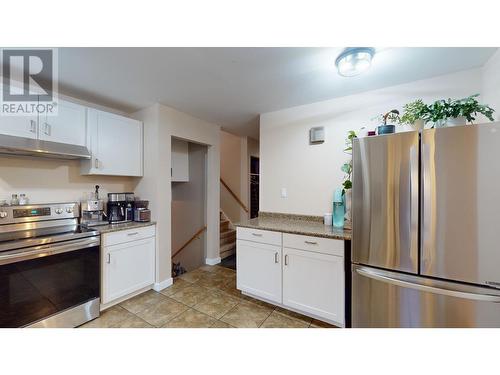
(227, 237)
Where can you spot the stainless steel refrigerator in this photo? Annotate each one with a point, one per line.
(426, 228)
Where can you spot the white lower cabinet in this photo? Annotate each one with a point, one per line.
(127, 266)
(308, 278)
(259, 269)
(314, 283)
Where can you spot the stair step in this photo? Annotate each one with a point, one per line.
(228, 233)
(227, 247)
(224, 225)
(225, 241)
(227, 253)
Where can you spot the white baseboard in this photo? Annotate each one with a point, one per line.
(163, 284)
(212, 261)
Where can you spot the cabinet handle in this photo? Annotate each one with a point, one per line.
(311, 242)
(286, 260)
(109, 258)
(47, 130)
(257, 234)
(33, 126)
(132, 234)
(96, 163)
(276, 257)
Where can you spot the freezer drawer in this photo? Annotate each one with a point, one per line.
(391, 299)
(460, 203)
(385, 201)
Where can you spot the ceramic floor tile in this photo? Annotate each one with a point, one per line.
(193, 276)
(192, 295)
(224, 271)
(257, 302)
(133, 322)
(162, 312)
(208, 268)
(175, 287)
(294, 315)
(217, 304)
(142, 301)
(191, 319)
(212, 280)
(277, 320)
(247, 315)
(109, 318)
(319, 324)
(219, 324)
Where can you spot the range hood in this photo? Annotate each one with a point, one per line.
(35, 147)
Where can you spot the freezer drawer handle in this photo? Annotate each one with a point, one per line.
(426, 288)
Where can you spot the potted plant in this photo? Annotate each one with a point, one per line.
(465, 110)
(415, 114)
(347, 183)
(388, 122)
(457, 112)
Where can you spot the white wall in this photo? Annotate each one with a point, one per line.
(491, 83)
(161, 123)
(310, 173)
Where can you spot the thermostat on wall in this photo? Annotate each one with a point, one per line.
(317, 135)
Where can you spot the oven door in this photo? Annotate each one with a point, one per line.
(41, 282)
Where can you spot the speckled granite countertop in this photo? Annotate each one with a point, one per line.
(295, 224)
(122, 226)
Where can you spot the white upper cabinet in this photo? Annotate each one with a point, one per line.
(19, 126)
(180, 161)
(115, 143)
(68, 126)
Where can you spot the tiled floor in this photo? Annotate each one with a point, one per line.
(203, 298)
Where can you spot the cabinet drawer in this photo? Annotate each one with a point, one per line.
(315, 244)
(127, 235)
(258, 235)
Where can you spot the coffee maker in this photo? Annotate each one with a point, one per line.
(93, 210)
(120, 207)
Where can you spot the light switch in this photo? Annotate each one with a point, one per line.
(284, 193)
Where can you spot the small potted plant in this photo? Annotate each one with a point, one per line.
(463, 111)
(415, 114)
(388, 122)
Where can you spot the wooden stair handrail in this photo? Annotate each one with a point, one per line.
(200, 231)
(234, 196)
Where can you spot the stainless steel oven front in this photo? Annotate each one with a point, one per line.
(50, 285)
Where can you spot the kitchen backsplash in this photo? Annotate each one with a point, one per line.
(50, 180)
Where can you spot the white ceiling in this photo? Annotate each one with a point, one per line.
(232, 86)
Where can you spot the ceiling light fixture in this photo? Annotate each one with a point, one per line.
(354, 61)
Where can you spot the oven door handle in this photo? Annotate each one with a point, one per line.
(41, 251)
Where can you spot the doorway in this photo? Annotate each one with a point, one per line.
(254, 186)
(189, 197)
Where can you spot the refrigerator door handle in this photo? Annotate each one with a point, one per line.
(414, 203)
(404, 282)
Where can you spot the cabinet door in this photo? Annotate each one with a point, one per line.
(127, 268)
(68, 126)
(19, 126)
(180, 161)
(314, 283)
(115, 143)
(258, 269)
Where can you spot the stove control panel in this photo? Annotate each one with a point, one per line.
(38, 212)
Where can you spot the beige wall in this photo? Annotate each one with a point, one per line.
(310, 173)
(161, 123)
